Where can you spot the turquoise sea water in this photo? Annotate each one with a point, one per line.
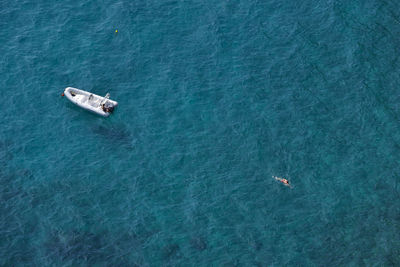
(214, 97)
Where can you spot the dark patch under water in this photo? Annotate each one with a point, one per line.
(77, 246)
(198, 243)
(171, 250)
(119, 135)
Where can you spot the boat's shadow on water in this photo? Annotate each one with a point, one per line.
(117, 134)
(108, 129)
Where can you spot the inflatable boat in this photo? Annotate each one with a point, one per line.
(101, 105)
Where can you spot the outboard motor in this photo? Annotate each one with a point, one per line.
(108, 107)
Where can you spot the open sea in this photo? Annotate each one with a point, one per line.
(215, 98)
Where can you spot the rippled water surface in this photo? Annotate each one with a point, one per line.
(214, 97)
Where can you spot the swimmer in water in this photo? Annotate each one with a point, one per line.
(283, 181)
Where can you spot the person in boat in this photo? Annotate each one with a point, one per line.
(283, 181)
(107, 107)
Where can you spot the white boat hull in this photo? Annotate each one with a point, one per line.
(88, 101)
